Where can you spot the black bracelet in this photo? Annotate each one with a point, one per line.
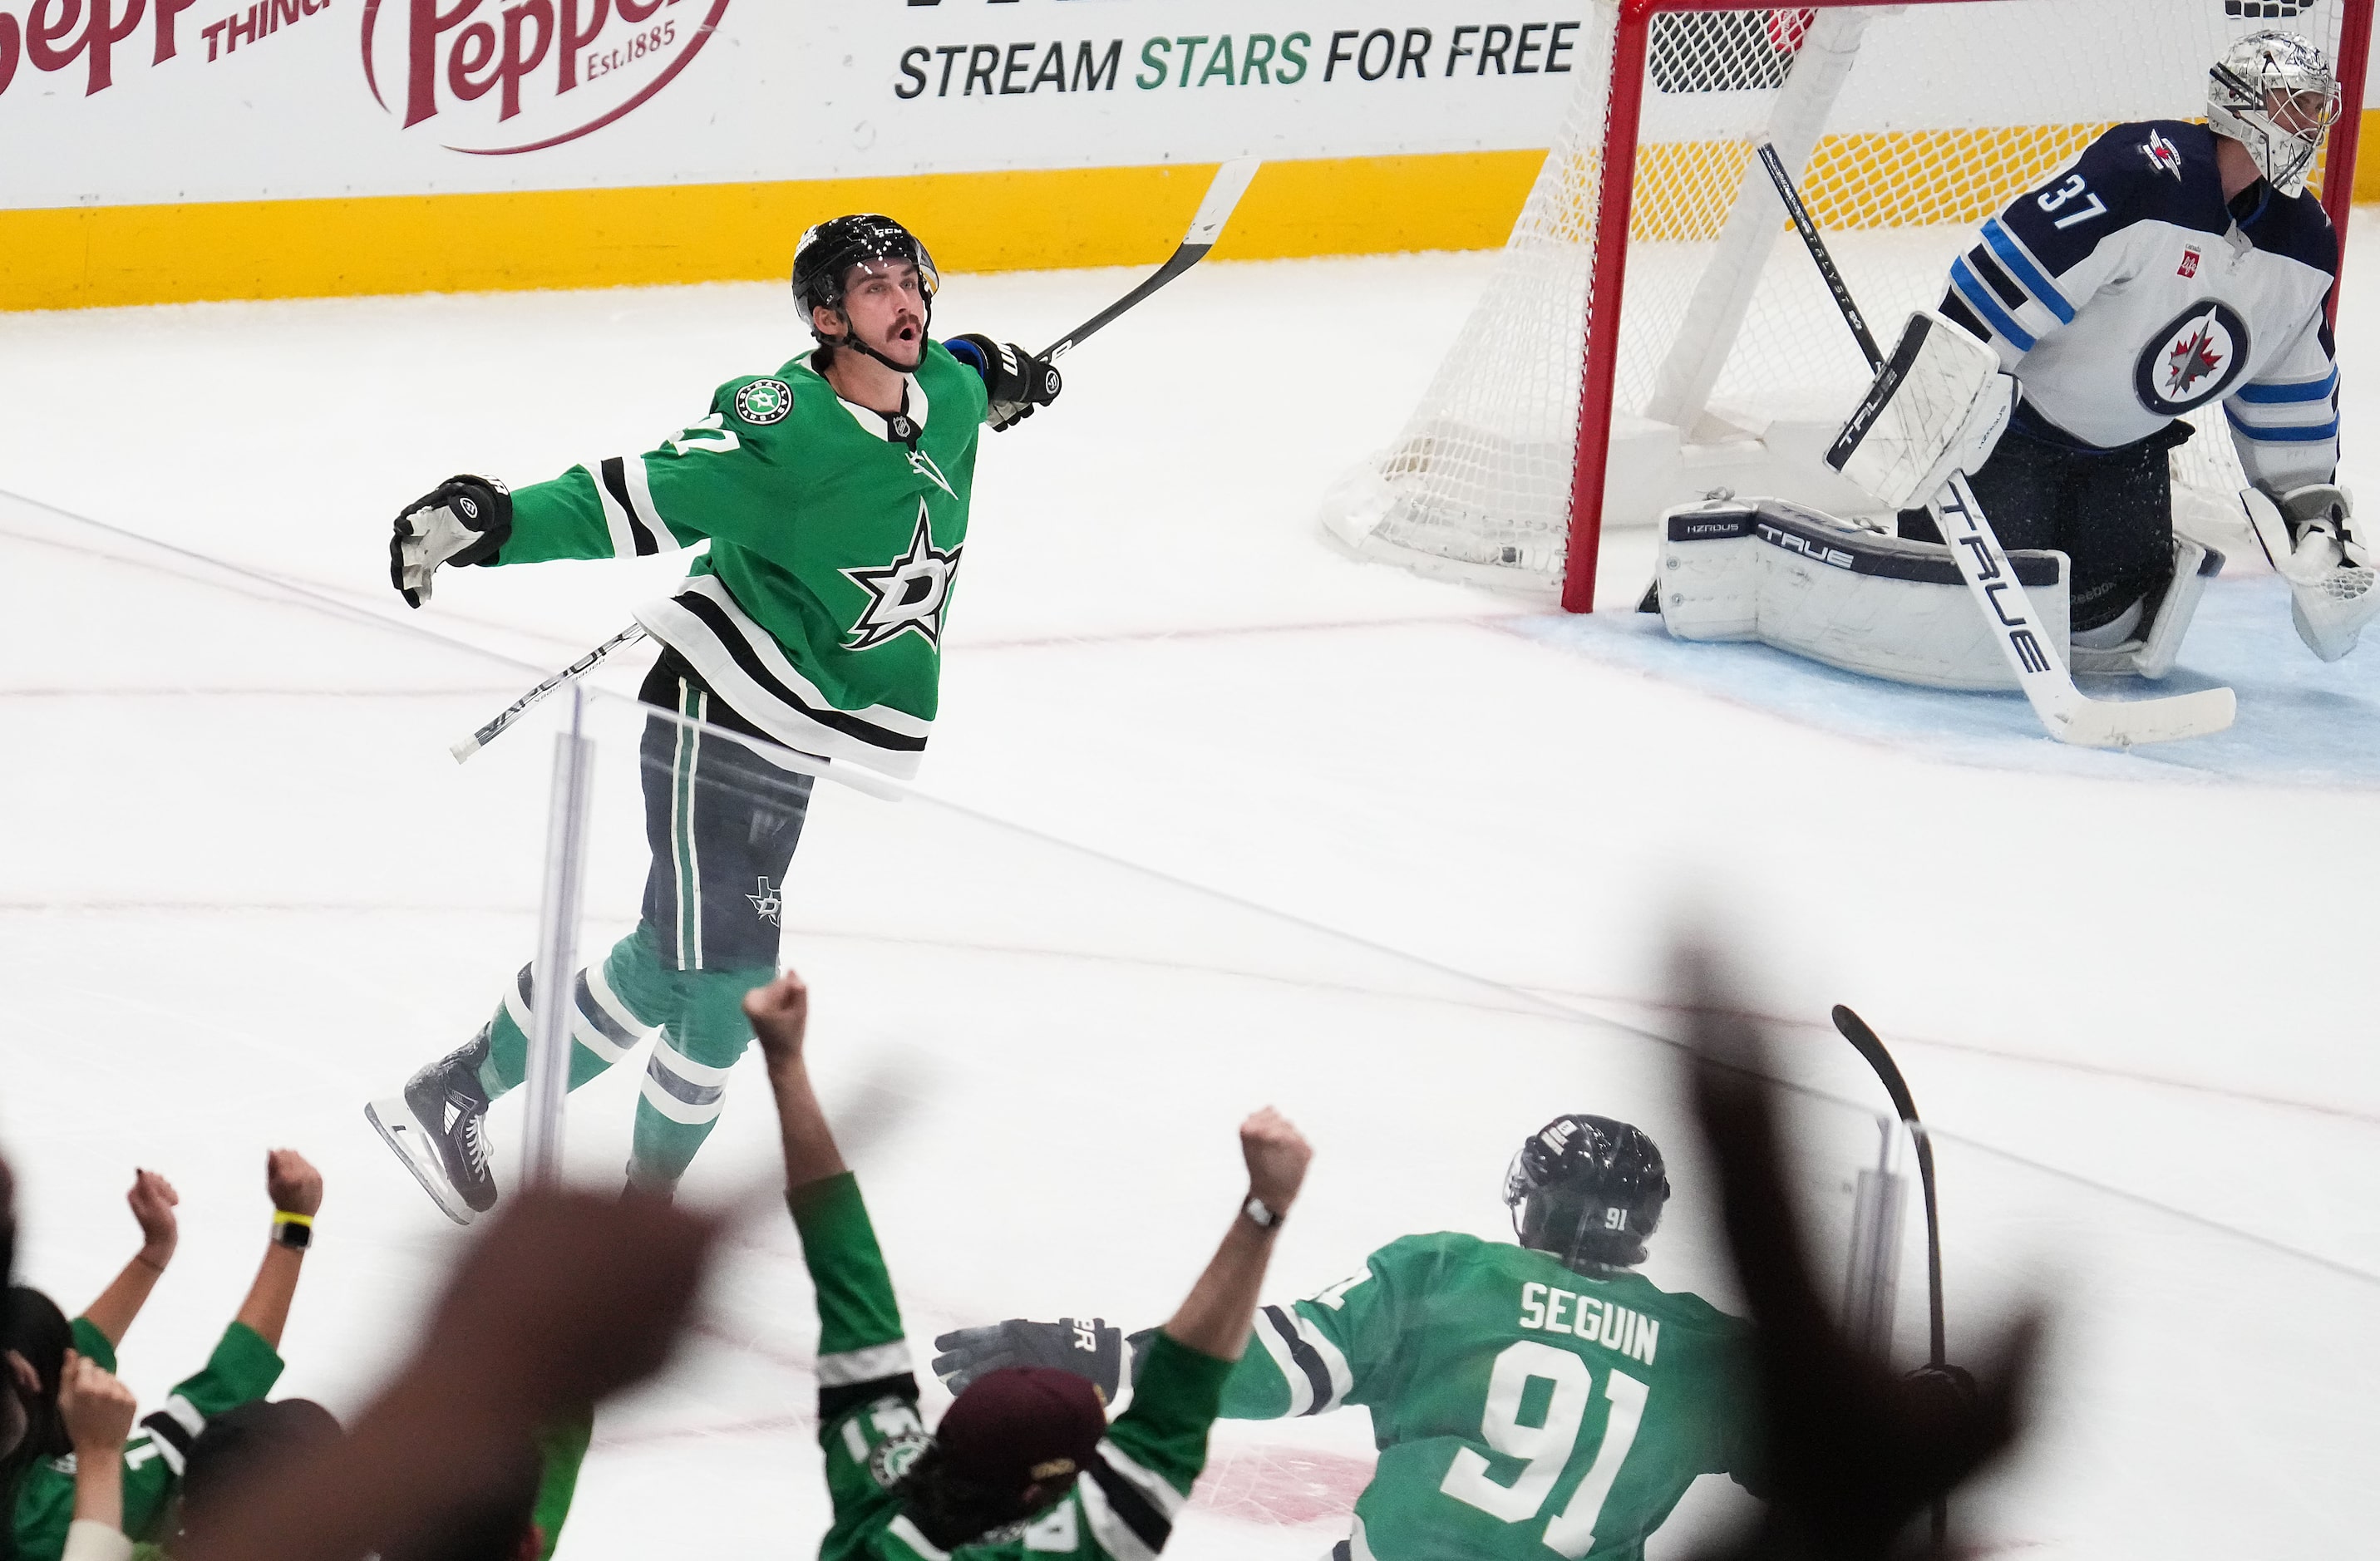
(295, 1231)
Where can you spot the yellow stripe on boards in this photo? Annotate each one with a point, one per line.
(93, 256)
(87, 257)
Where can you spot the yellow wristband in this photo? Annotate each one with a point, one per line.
(284, 1216)
(293, 1230)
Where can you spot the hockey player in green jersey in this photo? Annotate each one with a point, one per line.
(833, 494)
(1531, 1400)
(1024, 1462)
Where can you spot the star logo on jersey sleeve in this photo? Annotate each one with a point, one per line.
(909, 595)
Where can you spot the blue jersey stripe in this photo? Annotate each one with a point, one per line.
(2033, 279)
(2312, 433)
(2270, 395)
(1979, 298)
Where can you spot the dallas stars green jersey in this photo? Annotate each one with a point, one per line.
(834, 534)
(1524, 1412)
(243, 1367)
(1122, 1507)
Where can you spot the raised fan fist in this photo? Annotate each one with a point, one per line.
(151, 1200)
(1089, 1349)
(1015, 380)
(463, 520)
(292, 1182)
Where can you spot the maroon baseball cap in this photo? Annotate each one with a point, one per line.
(1021, 1425)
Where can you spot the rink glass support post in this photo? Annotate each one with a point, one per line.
(1874, 1274)
(548, 1081)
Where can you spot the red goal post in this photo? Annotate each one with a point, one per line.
(1908, 123)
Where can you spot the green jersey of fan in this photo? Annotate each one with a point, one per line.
(835, 533)
(1121, 1508)
(1524, 1412)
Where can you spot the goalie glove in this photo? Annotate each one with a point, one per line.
(2311, 540)
(1089, 1349)
(1016, 381)
(463, 520)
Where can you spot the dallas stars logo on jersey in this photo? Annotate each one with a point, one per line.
(910, 594)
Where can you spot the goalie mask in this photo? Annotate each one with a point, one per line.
(1587, 1190)
(824, 258)
(2274, 93)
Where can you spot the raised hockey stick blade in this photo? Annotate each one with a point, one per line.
(1865, 1040)
(512, 712)
(2066, 712)
(1223, 194)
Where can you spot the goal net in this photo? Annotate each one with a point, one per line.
(1725, 364)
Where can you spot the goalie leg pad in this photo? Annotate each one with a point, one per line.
(2151, 653)
(1802, 581)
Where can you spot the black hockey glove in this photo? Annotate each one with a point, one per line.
(1089, 1349)
(463, 520)
(1016, 381)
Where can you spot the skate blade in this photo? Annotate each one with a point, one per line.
(393, 1119)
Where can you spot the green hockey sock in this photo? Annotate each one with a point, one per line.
(686, 1082)
(614, 1007)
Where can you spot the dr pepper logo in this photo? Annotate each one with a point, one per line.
(498, 77)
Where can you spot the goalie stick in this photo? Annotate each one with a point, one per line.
(1206, 224)
(1865, 1040)
(2067, 713)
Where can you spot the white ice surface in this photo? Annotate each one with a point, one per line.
(243, 888)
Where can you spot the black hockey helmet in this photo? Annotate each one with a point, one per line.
(1587, 1190)
(825, 254)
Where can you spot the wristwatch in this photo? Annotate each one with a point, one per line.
(1260, 1214)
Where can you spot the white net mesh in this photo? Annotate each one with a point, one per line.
(1906, 124)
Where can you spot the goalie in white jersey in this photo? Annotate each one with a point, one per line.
(2171, 265)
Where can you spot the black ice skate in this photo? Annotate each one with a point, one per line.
(439, 1128)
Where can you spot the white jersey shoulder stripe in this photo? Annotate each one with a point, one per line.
(1109, 1530)
(1155, 1487)
(907, 1533)
(871, 1364)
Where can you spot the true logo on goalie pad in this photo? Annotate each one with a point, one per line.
(2193, 360)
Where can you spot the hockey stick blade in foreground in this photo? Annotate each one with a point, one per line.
(1865, 1040)
(1222, 197)
(2065, 711)
(1855, 1030)
(1206, 226)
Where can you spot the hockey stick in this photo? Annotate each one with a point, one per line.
(512, 712)
(1206, 224)
(1222, 197)
(2067, 713)
(1855, 1030)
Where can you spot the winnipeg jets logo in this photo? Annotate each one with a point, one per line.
(2197, 357)
(909, 594)
(2192, 359)
(769, 904)
(2163, 155)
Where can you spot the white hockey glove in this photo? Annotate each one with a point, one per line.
(1938, 406)
(2311, 540)
(463, 520)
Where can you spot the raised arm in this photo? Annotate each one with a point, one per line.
(780, 1013)
(98, 1411)
(297, 1190)
(152, 1199)
(1215, 1317)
